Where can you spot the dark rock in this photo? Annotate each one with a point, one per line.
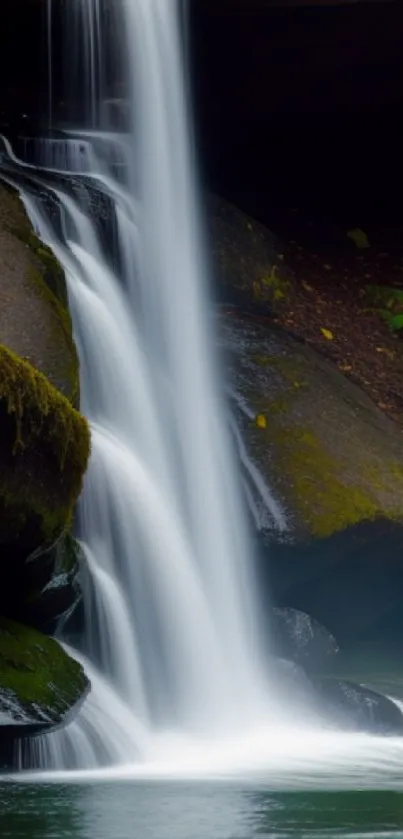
(340, 703)
(357, 707)
(302, 639)
(352, 582)
(51, 598)
(43, 590)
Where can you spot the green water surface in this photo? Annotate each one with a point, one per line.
(133, 810)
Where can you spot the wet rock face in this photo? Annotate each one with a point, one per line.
(359, 708)
(34, 318)
(309, 653)
(327, 452)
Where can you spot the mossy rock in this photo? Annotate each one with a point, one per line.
(330, 456)
(34, 318)
(40, 684)
(43, 458)
(248, 259)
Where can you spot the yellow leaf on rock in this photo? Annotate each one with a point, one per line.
(261, 421)
(327, 334)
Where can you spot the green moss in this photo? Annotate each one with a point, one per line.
(43, 457)
(38, 672)
(289, 368)
(329, 503)
(323, 493)
(271, 285)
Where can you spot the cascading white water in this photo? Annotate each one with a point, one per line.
(169, 596)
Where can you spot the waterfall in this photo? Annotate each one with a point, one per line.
(172, 643)
(172, 633)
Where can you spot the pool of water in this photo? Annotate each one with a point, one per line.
(177, 810)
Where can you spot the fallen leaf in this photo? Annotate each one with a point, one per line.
(345, 368)
(327, 267)
(261, 421)
(327, 334)
(306, 286)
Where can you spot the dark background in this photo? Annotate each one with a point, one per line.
(294, 106)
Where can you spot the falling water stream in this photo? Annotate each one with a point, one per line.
(173, 639)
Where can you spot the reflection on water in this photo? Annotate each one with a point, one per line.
(193, 811)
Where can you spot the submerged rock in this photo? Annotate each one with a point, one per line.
(358, 707)
(334, 703)
(300, 638)
(41, 686)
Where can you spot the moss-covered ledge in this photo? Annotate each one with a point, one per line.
(39, 682)
(43, 458)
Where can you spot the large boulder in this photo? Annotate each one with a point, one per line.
(328, 452)
(41, 687)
